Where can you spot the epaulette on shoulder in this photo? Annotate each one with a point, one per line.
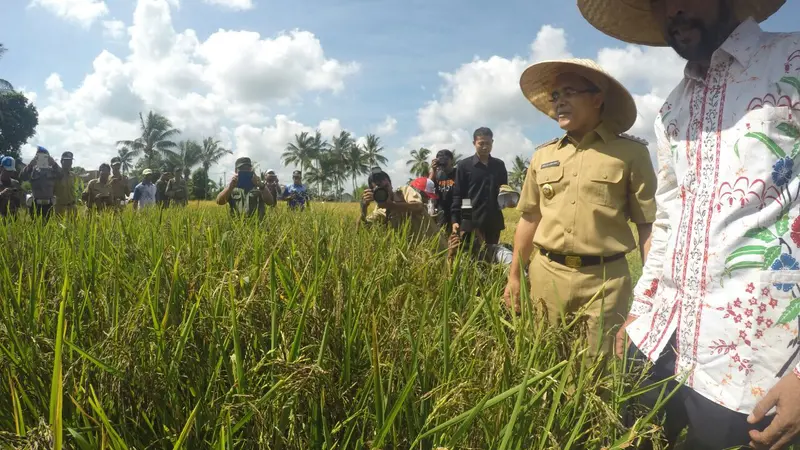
(633, 138)
(550, 142)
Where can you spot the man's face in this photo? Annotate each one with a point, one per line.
(448, 163)
(297, 179)
(576, 102)
(66, 164)
(115, 168)
(693, 28)
(483, 145)
(272, 179)
(104, 172)
(384, 182)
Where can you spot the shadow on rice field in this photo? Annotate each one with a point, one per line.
(189, 329)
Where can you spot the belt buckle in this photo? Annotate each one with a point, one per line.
(573, 262)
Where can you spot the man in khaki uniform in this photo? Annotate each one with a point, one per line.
(176, 191)
(579, 194)
(66, 198)
(120, 187)
(99, 193)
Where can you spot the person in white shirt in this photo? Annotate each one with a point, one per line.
(719, 299)
(144, 194)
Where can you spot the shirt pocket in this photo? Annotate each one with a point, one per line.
(603, 184)
(551, 184)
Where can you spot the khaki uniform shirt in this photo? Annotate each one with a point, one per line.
(120, 188)
(98, 194)
(422, 224)
(65, 189)
(586, 192)
(177, 191)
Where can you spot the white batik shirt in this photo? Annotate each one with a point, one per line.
(723, 274)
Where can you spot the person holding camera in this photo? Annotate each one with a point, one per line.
(99, 193)
(443, 175)
(161, 189)
(395, 206)
(120, 186)
(177, 192)
(12, 197)
(273, 185)
(296, 194)
(43, 173)
(245, 192)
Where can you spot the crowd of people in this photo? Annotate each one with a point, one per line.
(718, 226)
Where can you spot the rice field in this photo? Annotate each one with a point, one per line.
(187, 329)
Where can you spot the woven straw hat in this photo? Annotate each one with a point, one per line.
(619, 110)
(631, 20)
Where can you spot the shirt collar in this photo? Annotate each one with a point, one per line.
(742, 45)
(601, 131)
(476, 160)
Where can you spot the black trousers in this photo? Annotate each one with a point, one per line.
(710, 426)
(491, 235)
(42, 211)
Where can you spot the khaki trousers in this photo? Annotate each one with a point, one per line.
(564, 290)
(66, 210)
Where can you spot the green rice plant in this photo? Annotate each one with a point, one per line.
(192, 329)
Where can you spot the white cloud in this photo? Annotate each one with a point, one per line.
(114, 29)
(485, 92)
(387, 128)
(199, 84)
(237, 5)
(83, 12)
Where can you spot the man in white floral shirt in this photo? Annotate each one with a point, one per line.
(719, 299)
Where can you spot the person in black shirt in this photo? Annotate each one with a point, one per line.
(478, 181)
(443, 175)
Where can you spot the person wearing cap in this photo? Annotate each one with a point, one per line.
(443, 174)
(176, 191)
(580, 192)
(161, 189)
(12, 196)
(245, 192)
(296, 194)
(717, 299)
(406, 203)
(144, 194)
(99, 193)
(478, 181)
(66, 197)
(120, 186)
(43, 173)
(271, 180)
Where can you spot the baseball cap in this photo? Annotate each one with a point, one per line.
(147, 172)
(296, 173)
(243, 161)
(115, 161)
(66, 156)
(40, 149)
(8, 163)
(426, 186)
(270, 172)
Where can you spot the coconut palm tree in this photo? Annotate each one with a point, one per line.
(346, 158)
(419, 162)
(356, 163)
(372, 150)
(155, 140)
(211, 153)
(187, 156)
(125, 156)
(4, 85)
(301, 152)
(518, 170)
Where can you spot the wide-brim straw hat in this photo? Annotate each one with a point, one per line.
(538, 81)
(632, 20)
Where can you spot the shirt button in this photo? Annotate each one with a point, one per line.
(574, 174)
(573, 202)
(605, 177)
(569, 230)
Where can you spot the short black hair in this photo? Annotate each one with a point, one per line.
(482, 132)
(106, 166)
(445, 152)
(377, 177)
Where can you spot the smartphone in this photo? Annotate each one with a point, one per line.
(42, 161)
(245, 180)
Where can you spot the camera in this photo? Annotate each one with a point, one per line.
(466, 215)
(380, 194)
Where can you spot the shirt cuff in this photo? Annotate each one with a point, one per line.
(640, 307)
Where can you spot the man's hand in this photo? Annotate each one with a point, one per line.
(619, 345)
(234, 181)
(511, 294)
(785, 426)
(366, 197)
(435, 163)
(456, 228)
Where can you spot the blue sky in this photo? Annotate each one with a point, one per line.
(393, 55)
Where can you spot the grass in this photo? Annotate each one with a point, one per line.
(192, 330)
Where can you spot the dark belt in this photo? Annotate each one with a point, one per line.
(43, 201)
(576, 261)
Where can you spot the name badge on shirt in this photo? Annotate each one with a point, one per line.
(550, 164)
